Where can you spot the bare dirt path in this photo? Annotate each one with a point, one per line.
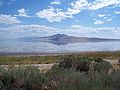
(114, 63)
(44, 67)
(39, 66)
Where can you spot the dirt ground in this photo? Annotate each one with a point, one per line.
(114, 63)
(44, 67)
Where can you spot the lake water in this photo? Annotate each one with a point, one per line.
(20, 46)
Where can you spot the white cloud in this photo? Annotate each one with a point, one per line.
(101, 15)
(8, 19)
(98, 22)
(98, 4)
(117, 12)
(19, 30)
(105, 16)
(37, 27)
(108, 20)
(55, 14)
(74, 30)
(82, 31)
(52, 14)
(79, 27)
(75, 26)
(76, 7)
(22, 13)
(22, 27)
(56, 2)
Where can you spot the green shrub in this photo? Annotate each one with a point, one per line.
(103, 66)
(83, 64)
(70, 79)
(67, 63)
(72, 73)
(114, 79)
(21, 78)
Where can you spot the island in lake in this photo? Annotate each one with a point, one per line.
(62, 39)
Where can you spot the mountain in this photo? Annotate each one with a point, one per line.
(62, 39)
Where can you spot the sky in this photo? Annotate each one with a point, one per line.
(83, 18)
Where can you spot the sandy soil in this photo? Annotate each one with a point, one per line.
(44, 67)
(39, 66)
(114, 63)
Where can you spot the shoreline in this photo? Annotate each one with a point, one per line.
(51, 54)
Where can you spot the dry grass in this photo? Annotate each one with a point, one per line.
(103, 54)
(55, 59)
(28, 60)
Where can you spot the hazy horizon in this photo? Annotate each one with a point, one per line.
(85, 18)
(79, 18)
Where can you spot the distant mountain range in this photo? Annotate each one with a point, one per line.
(62, 39)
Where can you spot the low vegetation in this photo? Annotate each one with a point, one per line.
(54, 59)
(85, 63)
(8, 60)
(71, 73)
(21, 78)
(103, 54)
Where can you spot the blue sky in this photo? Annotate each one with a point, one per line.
(91, 18)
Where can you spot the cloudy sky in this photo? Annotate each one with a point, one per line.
(89, 18)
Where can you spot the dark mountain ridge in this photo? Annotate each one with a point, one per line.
(62, 39)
